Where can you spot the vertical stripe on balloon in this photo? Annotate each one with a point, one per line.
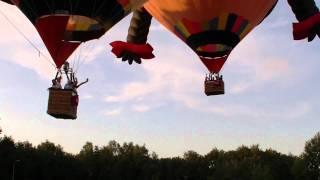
(231, 21)
(237, 25)
(183, 29)
(245, 31)
(222, 21)
(214, 23)
(192, 27)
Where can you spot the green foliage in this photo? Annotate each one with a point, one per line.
(129, 161)
(311, 156)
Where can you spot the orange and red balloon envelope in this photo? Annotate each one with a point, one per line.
(212, 28)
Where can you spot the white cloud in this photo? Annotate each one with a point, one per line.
(240, 87)
(132, 91)
(158, 27)
(250, 61)
(141, 108)
(87, 96)
(29, 59)
(170, 78)
(260, 74)
(178, 77)
(88, 51)
(293, 111)
(298, 110)
(11, 15)
(280, 22)
(113, 112)
(18, 50)
(273, 69)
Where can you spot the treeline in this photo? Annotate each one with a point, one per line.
(128, 161)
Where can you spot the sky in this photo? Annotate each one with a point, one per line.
(271, 91)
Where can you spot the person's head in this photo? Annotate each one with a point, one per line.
(59, 79)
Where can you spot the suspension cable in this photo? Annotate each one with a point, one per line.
(82, 60)
(26, 38)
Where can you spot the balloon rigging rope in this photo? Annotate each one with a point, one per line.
(82, 60)
(26, 38)
(77, 57)
(80, 56)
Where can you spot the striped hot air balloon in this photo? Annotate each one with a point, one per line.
(63, 25)
(212, 28)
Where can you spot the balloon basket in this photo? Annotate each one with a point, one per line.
(213, 87)
(61, 105)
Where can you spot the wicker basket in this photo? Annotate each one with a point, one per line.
(60, 104)
(215, 87)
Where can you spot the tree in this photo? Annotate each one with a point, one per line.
(312, 156)
(48, 161)
(299, 169)
(7, 156)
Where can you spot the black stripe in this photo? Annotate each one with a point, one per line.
(213, 37)
(34, 9)
(213, 54)
(231, 20)
(83, 36)
(243, 25)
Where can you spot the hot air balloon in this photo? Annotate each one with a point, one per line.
(63, 25)
(308, 16)
(211, 28)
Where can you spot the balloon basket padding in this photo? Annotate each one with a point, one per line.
(214, 87)
(60, 104)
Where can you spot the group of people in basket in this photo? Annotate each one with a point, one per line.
(214, 77)
(72, 82)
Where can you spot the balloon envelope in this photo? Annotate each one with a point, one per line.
(212, 28)
(64, 24)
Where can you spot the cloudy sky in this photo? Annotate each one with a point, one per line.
(272, 92)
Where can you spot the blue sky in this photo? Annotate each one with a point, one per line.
(271, 92)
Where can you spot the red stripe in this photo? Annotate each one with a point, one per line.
(52, 30)
(237, 25)
(209, 48)
(214, 65)
(192, 27)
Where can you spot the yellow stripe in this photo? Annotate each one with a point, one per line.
(223, 21)
(83, 26)
(183, 29)
(205, 27)
(218, 47)
(199, 49)
(80, 23)
(245, 31)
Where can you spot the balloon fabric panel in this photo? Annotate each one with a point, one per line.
(51, 30)
(212, 28)
(76, 21)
